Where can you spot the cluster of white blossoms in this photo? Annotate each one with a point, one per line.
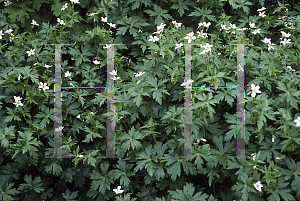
(139, 75)
(153, 38)
(9, 31)
(104, 19)
(261, 14)
(114, 73)
(290, 68)
(207, 48)
(285, 35)
(160, 28)
(190, 36)
(268, 41)
(18, 101)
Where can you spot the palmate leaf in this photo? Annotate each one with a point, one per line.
(35, 185)
(28, 72)
(18, 11)
(281, 190)
(187, 194)
(26, 143)
(53, 168)
(181, 5)
(6, 190)
(204, 13)
(159, 12)
(6, 134)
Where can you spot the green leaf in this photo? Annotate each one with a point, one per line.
(159, 12)
(53, 168)
(187, 194)
(35, 185)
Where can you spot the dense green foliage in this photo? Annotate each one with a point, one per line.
(149, 106)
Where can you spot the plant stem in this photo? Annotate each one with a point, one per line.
(145, 108)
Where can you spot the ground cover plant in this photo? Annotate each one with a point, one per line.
(149, 80)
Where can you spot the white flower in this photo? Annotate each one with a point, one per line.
(112, 25)
(267, 40)
(43, 86)
(278, 158)
(178, 45)
(78, 117)
(59, 129)
(75, 1)
(232, 26)
(254, 156)
(11, 37)
(206, 24)
(285, 41)
(61, 22)
(31, 52)
(67, 74)
(107, 46)
(297, 121)
(190, 36)
(252, 25)
(92, 112)
(255, 90)
(65, 6)
(263, 8)
(161, 27)
(92, 14)
(153, 39)
(96, 62)
(18, 103)
(273, 138)
(285, 34)
(224, 26)
(114, 72)
(186, 84)
(34, 23)
(258, 186)
(1, 34)
(104, 19)
(9, 31)
(36, 63)
(114, 78)
(7, 3)
(17, 98)
(118, 190)
(256, 31)
(176, 24)
(289, 67)
(206, 47)
(270, 47)
(262, 14)
(139, 74)
(201, 34)
(47, 66)
(138, 81)
(80, 156)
